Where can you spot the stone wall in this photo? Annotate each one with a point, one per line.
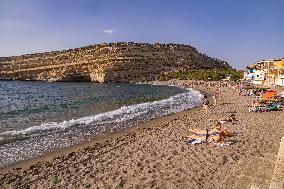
(112, 62)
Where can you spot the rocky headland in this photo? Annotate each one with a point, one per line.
(107, 62)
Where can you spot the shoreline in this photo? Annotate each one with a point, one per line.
(157, 156)
(105, 138)
(100, 139)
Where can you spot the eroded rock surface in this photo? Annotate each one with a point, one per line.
(112, 62)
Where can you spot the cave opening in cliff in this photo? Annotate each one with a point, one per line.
(77, 78)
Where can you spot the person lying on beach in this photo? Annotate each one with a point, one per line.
(217, 129)
(232, 118)
(218, 134)
(200, 132)
(207, 138)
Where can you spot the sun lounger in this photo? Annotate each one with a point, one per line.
(265, 107)
(274, 107)
(258, 108)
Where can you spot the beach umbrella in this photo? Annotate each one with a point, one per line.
(268, 94)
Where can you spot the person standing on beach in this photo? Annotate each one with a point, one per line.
(214, 99)
(205, 104)
(239, 90)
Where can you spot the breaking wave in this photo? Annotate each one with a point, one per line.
(18, 145)
(125, 114)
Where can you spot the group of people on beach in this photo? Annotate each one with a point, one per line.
(266, 100)
(206, 135)
(216, 135)
(219, 133)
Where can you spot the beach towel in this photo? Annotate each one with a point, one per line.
(222, 144)
(194, 141)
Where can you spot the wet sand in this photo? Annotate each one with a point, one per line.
(155, 154)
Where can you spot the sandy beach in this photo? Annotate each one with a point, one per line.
(156, 155)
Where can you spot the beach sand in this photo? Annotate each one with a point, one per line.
(155, 155)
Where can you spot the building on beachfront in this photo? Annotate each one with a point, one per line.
(266, 72)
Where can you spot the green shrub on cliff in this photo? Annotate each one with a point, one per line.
(202, 74)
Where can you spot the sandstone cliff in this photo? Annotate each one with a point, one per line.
(112, 62)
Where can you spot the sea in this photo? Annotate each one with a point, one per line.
(40, 117)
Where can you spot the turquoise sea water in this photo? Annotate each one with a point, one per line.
(36, 117)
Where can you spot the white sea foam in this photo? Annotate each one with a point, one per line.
(45, 137)
(144, 112)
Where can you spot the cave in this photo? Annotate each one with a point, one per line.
(77, 78)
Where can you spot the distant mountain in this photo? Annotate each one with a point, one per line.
(107, 62)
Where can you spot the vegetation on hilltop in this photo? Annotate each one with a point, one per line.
(202, 74)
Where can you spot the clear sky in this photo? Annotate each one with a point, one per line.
(238, 31)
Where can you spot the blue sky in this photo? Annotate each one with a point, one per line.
(238, 31)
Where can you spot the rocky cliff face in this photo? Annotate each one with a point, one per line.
(113, 62)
